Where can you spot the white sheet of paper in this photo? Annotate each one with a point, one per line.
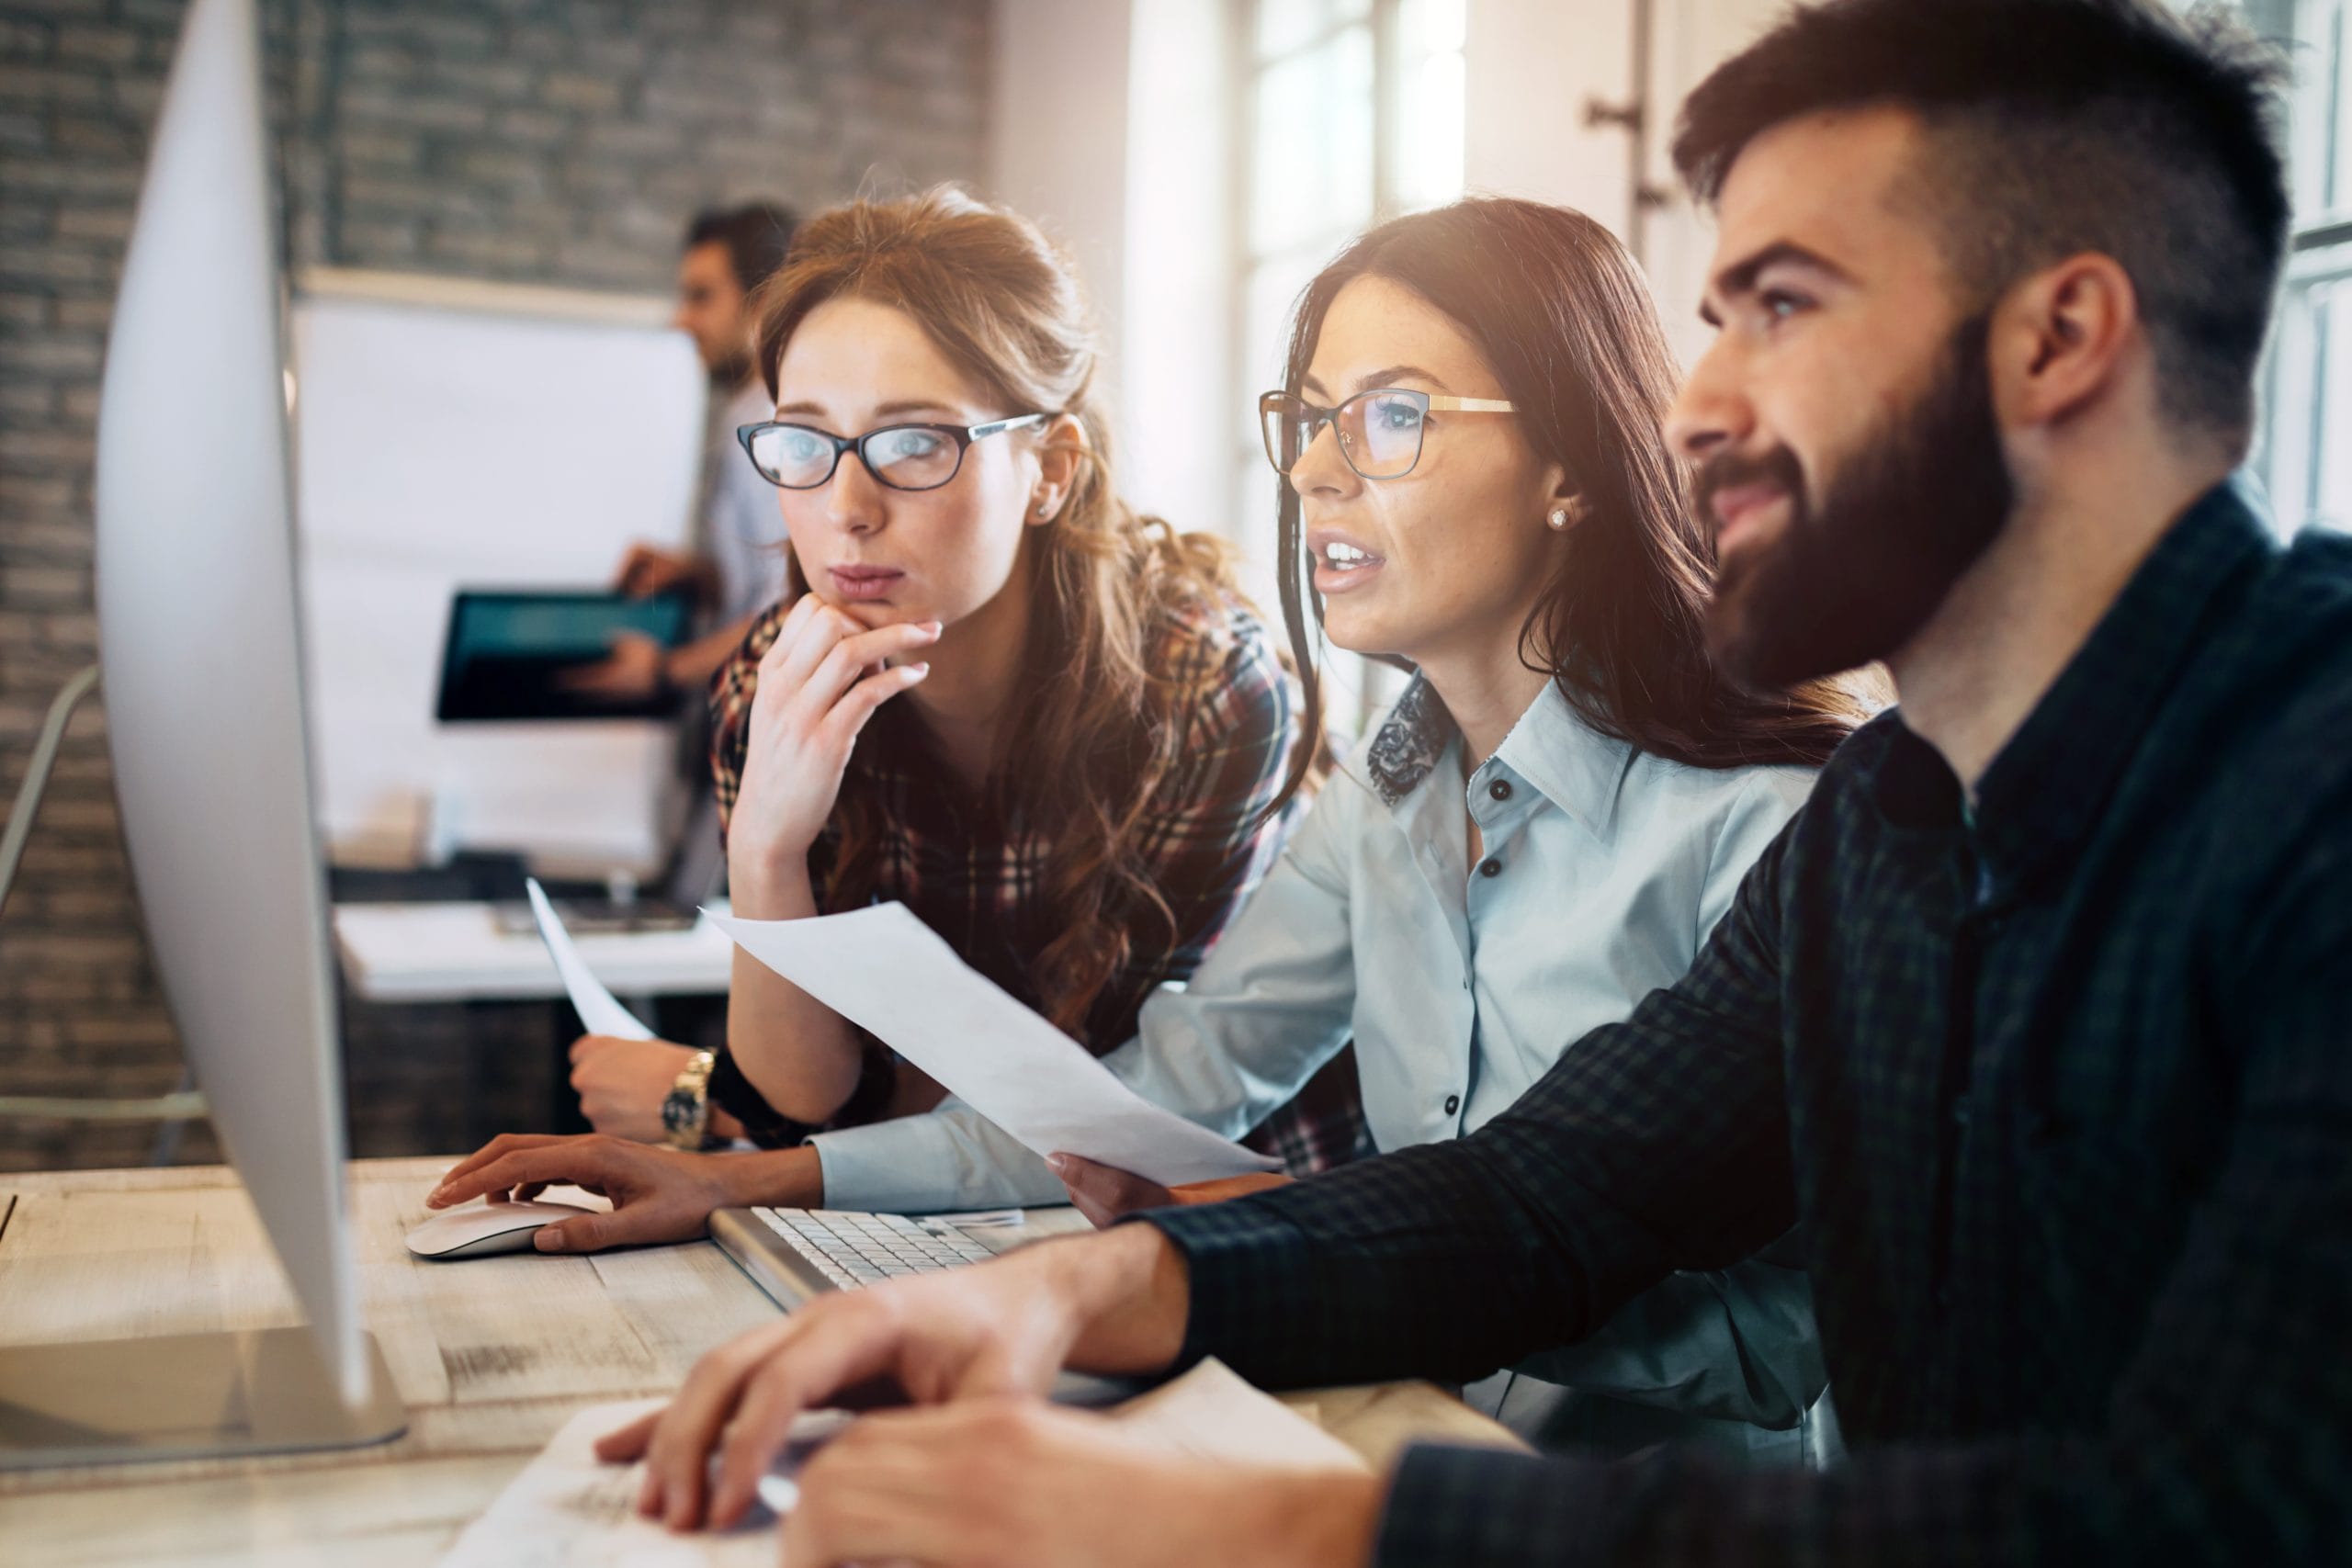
(1210, 1413)
(599, 1013)
(569, 1509)
(885, 971)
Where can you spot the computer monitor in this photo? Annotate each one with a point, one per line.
(202, 680)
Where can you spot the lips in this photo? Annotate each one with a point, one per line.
(1342, 561)
(1738, 509)
(864, 583)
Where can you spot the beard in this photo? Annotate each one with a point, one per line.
(731, 372)
(1853, 578)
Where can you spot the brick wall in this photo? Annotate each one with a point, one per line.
(549, 141)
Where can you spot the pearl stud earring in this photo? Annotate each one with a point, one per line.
(1559, 519)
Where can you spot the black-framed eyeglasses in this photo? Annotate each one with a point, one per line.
(1380, 429)
(903, 456)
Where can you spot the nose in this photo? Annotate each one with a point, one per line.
(1321, 469)
(1712, 411)
(854, 501)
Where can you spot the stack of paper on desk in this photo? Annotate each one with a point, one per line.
(885, 971)
(567, 1510)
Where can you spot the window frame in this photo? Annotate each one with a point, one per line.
(2290, 442)
(1355, 689)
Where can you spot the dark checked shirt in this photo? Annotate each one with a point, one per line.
(2061, 1089)
(975, 875)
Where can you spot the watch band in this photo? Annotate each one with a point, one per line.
(771, 1129)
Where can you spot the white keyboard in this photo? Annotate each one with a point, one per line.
(852, 1249)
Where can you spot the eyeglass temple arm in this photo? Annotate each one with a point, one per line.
(977, 431)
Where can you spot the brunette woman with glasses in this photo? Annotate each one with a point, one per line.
(1477, 485)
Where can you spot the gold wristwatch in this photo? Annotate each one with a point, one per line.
(685, 1109)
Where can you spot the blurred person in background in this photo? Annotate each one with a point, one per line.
(733, 568)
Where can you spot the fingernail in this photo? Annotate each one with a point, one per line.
(547, 1241)
(921, 670)
(1059, 1162)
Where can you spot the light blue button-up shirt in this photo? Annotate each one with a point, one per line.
(1602, 871)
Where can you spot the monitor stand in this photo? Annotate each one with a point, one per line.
(256, 1390)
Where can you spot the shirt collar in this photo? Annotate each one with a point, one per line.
(2046, 790)
(1573, 766)
(1577, 769)
(1408, 743)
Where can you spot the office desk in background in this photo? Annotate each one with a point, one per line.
(492, 1356)
(409, 954)
(457, 953)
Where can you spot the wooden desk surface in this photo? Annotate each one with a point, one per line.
(490, 1355)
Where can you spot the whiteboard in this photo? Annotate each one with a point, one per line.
(454, 436)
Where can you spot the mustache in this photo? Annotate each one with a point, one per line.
(1729, 470)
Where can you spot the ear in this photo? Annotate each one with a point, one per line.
(1061, 455)
(2061, 338)
(1564, 501)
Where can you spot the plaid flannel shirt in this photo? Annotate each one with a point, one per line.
(975, 877)
(2061, 1090)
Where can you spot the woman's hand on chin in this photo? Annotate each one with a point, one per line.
(821, 681)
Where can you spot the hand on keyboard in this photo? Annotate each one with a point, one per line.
(1005, 1326)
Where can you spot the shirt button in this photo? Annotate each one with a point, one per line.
(1499, 789)
(1490, 867)
(1452, 1103)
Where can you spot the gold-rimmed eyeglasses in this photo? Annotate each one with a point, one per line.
(1380, 429)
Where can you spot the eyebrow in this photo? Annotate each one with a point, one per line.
(887, 410)
(1384, 377)
(1739, 278)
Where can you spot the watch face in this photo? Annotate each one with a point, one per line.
(677, 1111)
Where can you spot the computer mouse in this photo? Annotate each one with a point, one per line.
(485, 1229)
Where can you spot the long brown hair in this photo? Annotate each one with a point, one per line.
(1562, 316)
(1005, 306)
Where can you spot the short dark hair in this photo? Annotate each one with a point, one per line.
(756, 236)
(2057, 126)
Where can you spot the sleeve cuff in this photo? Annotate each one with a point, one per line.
(1248, 1298)
(946, 1158)
(1469, 1507)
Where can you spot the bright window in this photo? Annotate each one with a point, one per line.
(2310, 385)
(1353, 114)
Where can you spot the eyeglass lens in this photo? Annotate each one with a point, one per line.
(1380, 432)
(906, 456)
